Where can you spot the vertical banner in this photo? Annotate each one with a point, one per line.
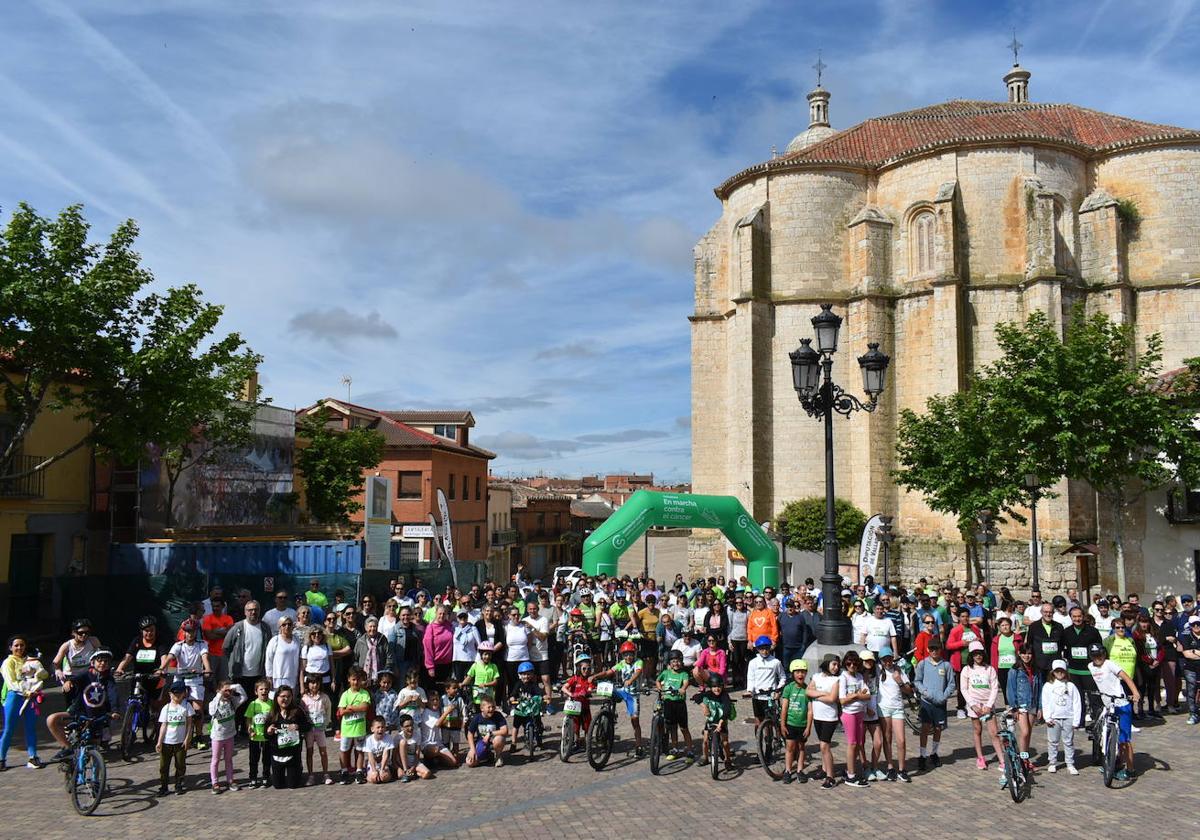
(868, 548)
(447, 535)
(377, 528)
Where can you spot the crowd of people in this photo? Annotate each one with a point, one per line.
(402, 686)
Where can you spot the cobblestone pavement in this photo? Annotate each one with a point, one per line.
(552, 799)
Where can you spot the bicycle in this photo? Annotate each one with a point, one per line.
(138, 718)
(1016, 762)
(572, 711)
(85, 772)
(771, 752)
(912, 706)
(601, 733)
(532, 729)
(658, 735)
(1104, 732)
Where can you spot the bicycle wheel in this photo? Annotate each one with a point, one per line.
(130, 724)
(657, 737)
(566, 741)
(600, 740)
(912, 716)
(1097, 733)
(1014, 771)
(1111, 750)
(770, 748)
(89, 787)
(714, 752)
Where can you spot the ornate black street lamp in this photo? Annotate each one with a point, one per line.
(821, 398)
(885, 535)
(987, 537)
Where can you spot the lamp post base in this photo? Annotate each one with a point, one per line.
(819, 650)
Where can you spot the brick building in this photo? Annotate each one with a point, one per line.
(426, 451)
(926, 229)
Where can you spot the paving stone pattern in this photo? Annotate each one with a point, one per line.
(549, 799)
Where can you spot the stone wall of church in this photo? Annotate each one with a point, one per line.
(809, 214)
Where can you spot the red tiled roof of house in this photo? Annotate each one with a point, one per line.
(424, 417)
(401, 435)
(882, 141)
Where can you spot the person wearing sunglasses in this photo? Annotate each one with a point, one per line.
(72, 660)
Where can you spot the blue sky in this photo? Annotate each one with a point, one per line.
(492, 205)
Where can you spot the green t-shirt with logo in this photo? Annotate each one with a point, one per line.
(797, 698)
(256, 712)
(481, 674)
(674, 683)
(354, 724)
(625, 670)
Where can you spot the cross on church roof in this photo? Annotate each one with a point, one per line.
(1015, 46)
(819, 67)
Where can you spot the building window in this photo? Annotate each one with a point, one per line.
(451, 494)
(448, 432)
(922, 242)
(477, 537)
(410, 552)
(466, 489)
(409, 485)
(478, 488)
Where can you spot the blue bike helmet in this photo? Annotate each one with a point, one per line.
(763, 641)
(525, 668)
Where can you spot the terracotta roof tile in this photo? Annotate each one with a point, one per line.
(880, 141)
(424, 417)
(401, 435)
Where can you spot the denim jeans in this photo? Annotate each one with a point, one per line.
(1190, 680)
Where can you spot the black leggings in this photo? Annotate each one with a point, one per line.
(260, 751)
(287, 774)
(737, 660)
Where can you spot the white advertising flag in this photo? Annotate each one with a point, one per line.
(868, 548)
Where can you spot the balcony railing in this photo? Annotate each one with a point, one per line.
(31, 486)
(508, 536)
(1183, 506)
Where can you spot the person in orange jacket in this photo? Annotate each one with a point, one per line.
(763, 622)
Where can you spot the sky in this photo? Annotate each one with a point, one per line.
(492, 205)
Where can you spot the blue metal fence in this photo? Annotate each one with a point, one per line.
(237, 558)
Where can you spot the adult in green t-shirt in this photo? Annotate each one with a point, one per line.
(796, 721)
(314, 596)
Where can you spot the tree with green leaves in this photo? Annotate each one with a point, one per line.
(802, 523)
(80, 334)
(332, 462)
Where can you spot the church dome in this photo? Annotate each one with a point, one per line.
(808, 137)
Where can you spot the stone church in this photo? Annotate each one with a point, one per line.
(926, 229)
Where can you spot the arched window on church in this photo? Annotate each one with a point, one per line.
(922, 229)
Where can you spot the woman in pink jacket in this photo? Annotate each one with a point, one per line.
(980, 687)
(439, 648)
(712, 660)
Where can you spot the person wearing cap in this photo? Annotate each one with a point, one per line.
(795, 722)
(190, 657)
(894, 687)
(176, 723)
(1118, 686)
(764, 678)
(1061, 708)
(1188, 646)
(981, 688)
(935, 683)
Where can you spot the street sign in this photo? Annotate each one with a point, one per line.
(417, 532)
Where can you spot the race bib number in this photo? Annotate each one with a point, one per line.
(288, 738)
(146, 657)
(572, 707)
(1049, 647)
(969, 637)
(175, 717)
(980, 685)
(353, 717)
(318, 719)
(1079, 653)
(604, 690)
(1007, 660)
(1151, 645)
(260, 719)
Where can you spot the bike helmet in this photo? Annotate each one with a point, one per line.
(763, 641)
(583, 657)
(486, 647)
(577, 613)
(628, 647)
(620, 593)
(797, 665)
(103, 653)
(675, 654)
(81, 624)
(715, 681)
(147, 622)
(525, 668)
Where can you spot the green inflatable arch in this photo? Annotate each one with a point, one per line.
(682, 510)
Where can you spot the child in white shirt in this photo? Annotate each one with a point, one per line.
(223, 713)
(377, 749)
(1061, 707)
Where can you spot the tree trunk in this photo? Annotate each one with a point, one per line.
(1119, 538)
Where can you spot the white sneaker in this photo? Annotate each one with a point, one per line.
(1135, 729)
(962, 714)
(1071, 769)
(1053, 768)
